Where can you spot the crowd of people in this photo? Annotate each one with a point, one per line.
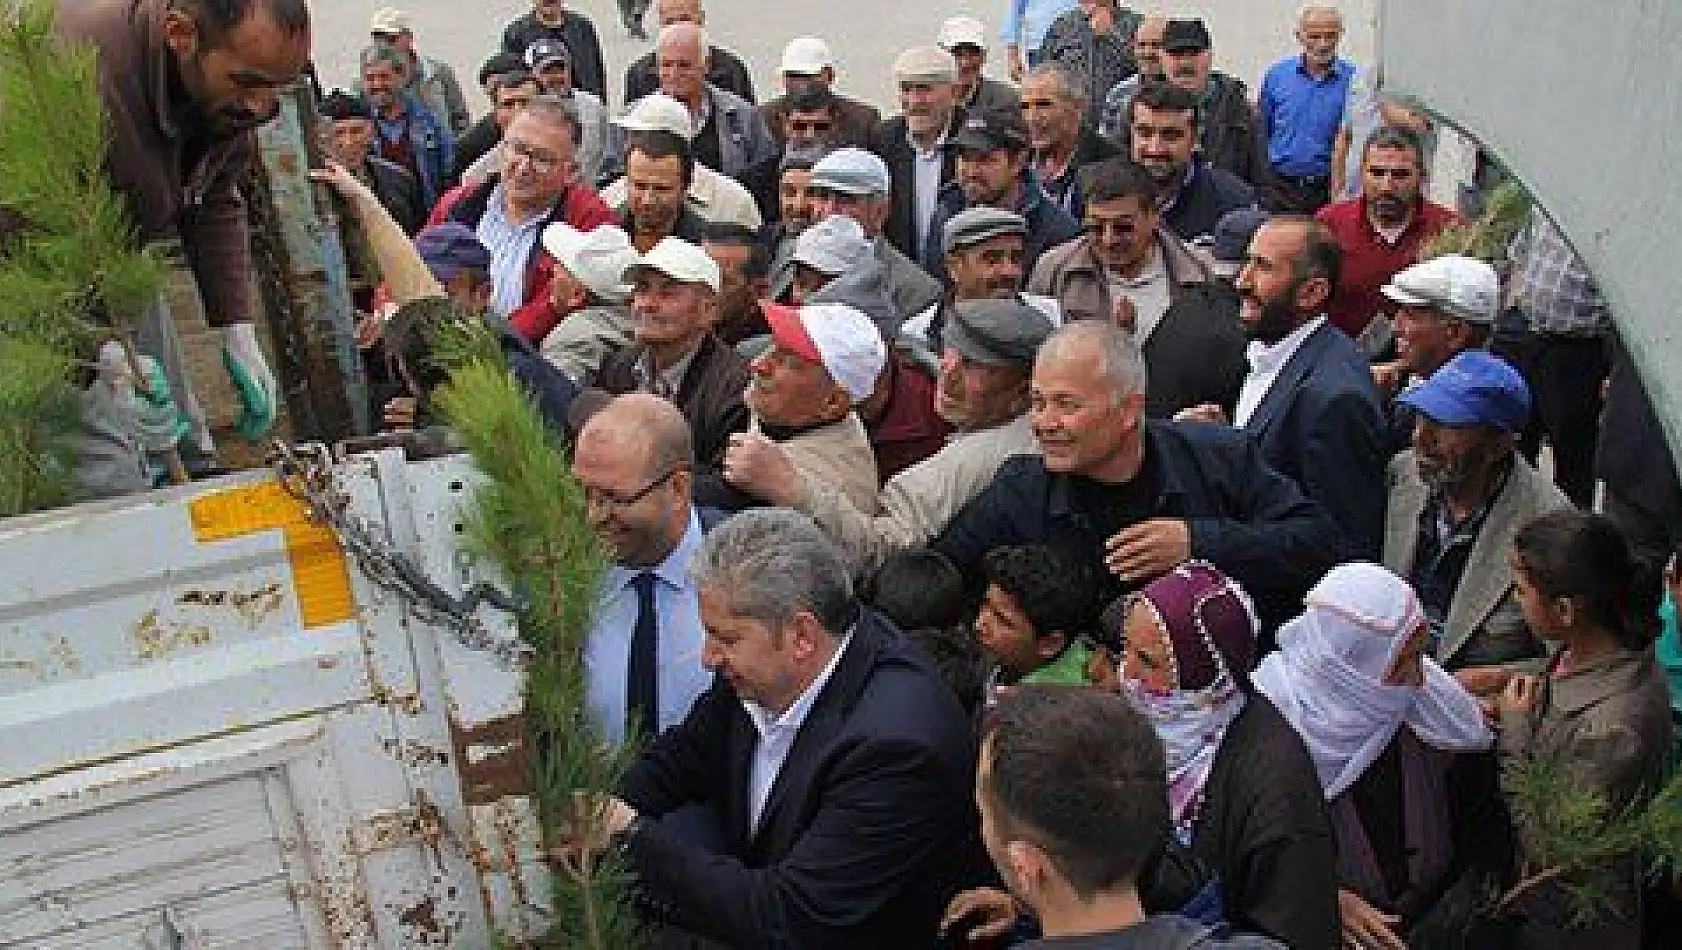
(1076, 511)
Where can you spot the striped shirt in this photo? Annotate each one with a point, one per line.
(511, 246)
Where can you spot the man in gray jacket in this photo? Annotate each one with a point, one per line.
(731, 136)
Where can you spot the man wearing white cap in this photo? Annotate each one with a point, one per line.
(824, 359)
(724, 68)
(914, 143)
(1444, 306)
(431, 79)
(590, 296)
(809, 66)
(965, 38)
(715, 197)
(676, 355)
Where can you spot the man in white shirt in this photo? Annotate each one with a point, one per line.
(642, 658)
(827, 757)
(713, 196)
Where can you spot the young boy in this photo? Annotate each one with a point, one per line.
(1036, 616)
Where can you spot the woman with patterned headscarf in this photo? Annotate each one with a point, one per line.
(1400, 747)
(1253, 844)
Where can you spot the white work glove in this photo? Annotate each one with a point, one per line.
(249, 370)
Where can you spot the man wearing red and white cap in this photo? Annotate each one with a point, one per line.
(824, 359)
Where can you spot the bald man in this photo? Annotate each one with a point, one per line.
(731, 137)
(642, 659)
(724, 69)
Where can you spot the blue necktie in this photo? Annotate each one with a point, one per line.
(642, 703)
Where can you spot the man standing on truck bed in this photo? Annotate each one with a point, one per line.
(182, 82)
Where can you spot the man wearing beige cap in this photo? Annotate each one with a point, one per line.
(590, 296)
(965, 38)
(914, 143)
(824, 359)
(676, 355)
(808, 67)
(431, 79)
(714, 197)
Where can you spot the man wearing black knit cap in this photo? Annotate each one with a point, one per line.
(352, 140)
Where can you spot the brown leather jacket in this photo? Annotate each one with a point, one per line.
(145, 119)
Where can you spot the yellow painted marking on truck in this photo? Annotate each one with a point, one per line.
(319, 573)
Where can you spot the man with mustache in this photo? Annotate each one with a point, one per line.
(1196, 195)
(1380, 232)
(551, 20)
(407, 133)
(1301, 109)
(914, 144)
(181, 82)
(1227, 136)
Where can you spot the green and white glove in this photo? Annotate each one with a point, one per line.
(162, 423)
(247, 367)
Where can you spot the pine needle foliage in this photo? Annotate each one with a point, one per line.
(529, 518)
(1569, 833)
(1506, 209)
(71, 274)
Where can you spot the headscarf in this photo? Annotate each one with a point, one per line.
(1211, 626)
(1328, 677)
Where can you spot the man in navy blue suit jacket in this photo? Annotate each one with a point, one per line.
(829, 763)
(1309, 400)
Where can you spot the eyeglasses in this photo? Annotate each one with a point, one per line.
(612, 499)
(542, 161)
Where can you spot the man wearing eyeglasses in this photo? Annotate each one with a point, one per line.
(538, 186)
(642, 659)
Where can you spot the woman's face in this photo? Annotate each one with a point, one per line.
(1147, 658)
(1538, 609)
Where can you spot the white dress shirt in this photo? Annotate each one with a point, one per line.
(776, 735)
(1265, 363)
(926, 166)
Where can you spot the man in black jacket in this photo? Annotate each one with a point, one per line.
(1054, 105)
(724, 68)
(353, 136)
(1230, 134)
(1138, 496)
(828, 765)
(914, 144)
(1163, 122)
(550, 20)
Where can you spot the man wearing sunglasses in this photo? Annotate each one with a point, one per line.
(182, 82)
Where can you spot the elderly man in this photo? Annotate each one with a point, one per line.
(966, 39)
(1301, 108)
(914, 143)
(827, 752)
(808, 67)
(1142, 496)
(1062, 143)
(1456, 500)
(1309, 400)
(551, 20)
(1130, 271)
(824, 359)
(825, 251)
(509, 211)
(715, 197)
(1228, 136)
(1163, 139)
(730, 135)
(407, 133)
(1147, 52)
(1094, 42)
(431, 79)
(993, 172)
(353, 138)
(1382, 230)
(855, 184)
(1443, 307)
(590, 296)
(642, 656)
(724, 69)
(509, 97)
(982, 392)
(676, 355)
(551, 63)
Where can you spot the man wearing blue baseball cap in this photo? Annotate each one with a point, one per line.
(1456, 500)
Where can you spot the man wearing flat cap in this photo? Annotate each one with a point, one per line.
(993, 171)
(1456, 500)
(984, 261)
(353, 136)
(1444, 306)
(914, 143)
(982, 392)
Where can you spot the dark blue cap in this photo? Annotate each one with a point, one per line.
(1474, 389)
(450, 248)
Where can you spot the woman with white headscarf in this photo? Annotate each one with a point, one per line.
(1401, 748)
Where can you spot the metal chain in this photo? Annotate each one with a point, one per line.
(306, 472)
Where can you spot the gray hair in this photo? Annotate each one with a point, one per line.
(383, 53)
(772, 563)
(1318, 6)
(1071, 86)
(557, 111)
(1120, 361)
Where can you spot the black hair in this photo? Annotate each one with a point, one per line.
(1117, 178)
(216, 18)
(655, 143)
(733, 234)
(1161, 95)
(1055, 590)
(1079, 773)
(518, 76)
(1394, 136)
(917, 588)
(340, 105)
(811, 99)
(1322, 255)
(1585, 557)
(498, 64)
